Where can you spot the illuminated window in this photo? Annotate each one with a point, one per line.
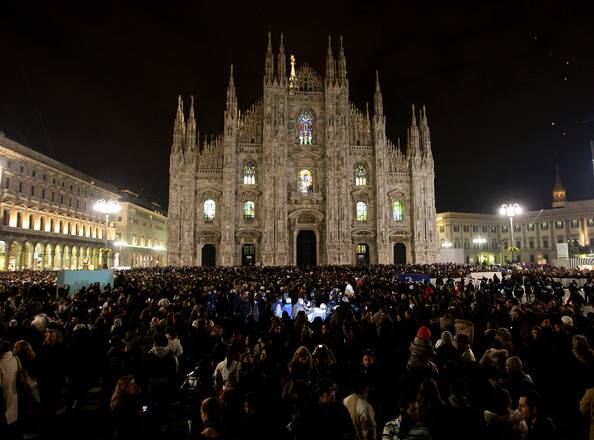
(360, 174)
(210, 208)
(305, 181)
(305, 126)
(249, 174)
(249, 210)
(361, 211)
(361, 248)
(398, 211)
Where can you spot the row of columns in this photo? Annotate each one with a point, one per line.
(18, 255)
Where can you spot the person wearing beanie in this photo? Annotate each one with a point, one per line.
(420, 365)
(421, 350)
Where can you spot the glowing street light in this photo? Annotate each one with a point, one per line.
(510, 210)
(106, 207)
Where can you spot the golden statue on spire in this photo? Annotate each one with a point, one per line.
(293, 77)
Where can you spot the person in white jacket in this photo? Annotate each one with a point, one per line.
(361, 411)
(9, 368)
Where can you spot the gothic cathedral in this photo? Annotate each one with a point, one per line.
(303, 177)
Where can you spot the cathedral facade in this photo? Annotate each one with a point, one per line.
(302, 177)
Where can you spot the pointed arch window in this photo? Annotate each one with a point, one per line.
(361, 175)
(249, 173)
(305, 181)
(305, 127)
(249, 210)
(361, 211)
(398, 211)
(210, 209)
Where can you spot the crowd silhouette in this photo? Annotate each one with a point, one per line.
(328, 352)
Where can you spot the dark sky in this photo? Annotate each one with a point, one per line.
(96, 86)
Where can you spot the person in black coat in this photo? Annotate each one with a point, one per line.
(326, 419)
(160, 366)
(126, 408)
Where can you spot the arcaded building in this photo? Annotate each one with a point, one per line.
(301, 177)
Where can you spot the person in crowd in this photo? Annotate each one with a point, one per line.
(210, 414)
(502, 421)
(517, 382)
(9, 400)
(361, 412)
(127, 410)
(539, 425)
(325, 419)
(51, 362)
(160, 368)
(587, 408)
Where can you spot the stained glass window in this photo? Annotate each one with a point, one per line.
(305, 181)
(361, 211)
(397, 211)
(360, 174)
(305, 124)
(249, 210)
(249, 173)
(210, 209)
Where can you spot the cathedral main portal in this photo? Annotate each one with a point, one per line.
(306, 248)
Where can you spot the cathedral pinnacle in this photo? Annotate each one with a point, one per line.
(231, 108)
(179, 127)
(269, 64)
(330, 78)
(559, 196)
(191, 129)
(281, 66)
(342, 73)
(378, 105)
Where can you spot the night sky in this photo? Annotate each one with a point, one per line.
(509, 86)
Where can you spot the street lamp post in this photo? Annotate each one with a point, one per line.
(106, 207)
(511, 210)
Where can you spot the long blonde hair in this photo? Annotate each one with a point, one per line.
(121, 390)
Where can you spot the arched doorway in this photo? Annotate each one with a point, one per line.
(58, 257)
(362, 253)
(15, 256)
(399, 253)
(29, 255)
(209, 255)
(248, 255)
(39, 256)
(306, 248)
(48, 257)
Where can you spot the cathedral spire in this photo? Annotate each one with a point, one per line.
(330, 78)
(378, 104)
(231, 108)
(413, 136)
(342, 72)
(269, 64)
(425, 134)
(281, 63)
(179, 127)
(191, 133)
(558, 190)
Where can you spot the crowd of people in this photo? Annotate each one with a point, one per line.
(331, 352)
